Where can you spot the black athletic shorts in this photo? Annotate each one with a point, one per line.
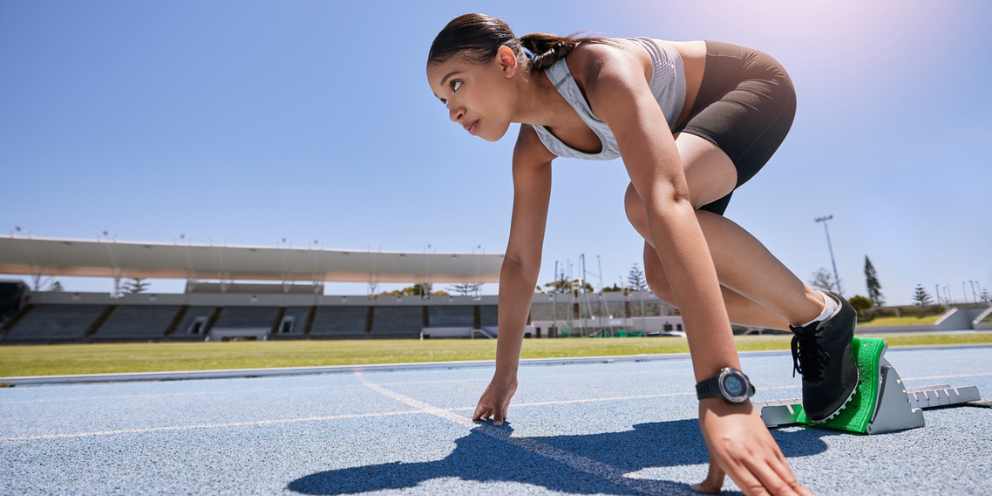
(745, 106)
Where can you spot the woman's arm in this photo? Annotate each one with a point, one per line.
(622, 98)
(519, 272)
(522, 263)
(736, 438)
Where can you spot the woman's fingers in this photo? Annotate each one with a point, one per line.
(768, 477)
(713, 482)
(481, 412)
(494, 403)
(742, 476)
(782, 468)
(499, 415)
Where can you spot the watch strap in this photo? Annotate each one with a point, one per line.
(709, 388)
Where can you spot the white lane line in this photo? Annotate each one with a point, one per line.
(252, 423)
(577, 462)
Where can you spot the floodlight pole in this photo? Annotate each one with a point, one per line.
(113, 263)
(831, 248)
(478, 271)
(426, 293)
(582, 261)
(285, 267)
(314, 257)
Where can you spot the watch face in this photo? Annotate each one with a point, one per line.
(734, 385)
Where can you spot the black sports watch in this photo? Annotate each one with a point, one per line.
(730, 384)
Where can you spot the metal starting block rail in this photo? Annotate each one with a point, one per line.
(889, 408)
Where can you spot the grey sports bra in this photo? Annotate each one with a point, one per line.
(667, 84)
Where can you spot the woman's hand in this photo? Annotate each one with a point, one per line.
(740, 445)
(495, 399)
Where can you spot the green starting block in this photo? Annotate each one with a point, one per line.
(881, 403)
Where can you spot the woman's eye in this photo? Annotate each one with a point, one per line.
(452, 84)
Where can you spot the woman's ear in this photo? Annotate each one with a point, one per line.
(507, 60)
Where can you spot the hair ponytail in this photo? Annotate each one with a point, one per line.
(481, 35)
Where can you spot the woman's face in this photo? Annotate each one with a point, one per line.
(479, 97)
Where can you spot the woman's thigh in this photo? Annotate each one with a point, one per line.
(709, 171)
(746, 105)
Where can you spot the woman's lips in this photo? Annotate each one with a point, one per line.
(474, 127)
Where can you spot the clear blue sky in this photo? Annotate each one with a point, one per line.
(245, 122)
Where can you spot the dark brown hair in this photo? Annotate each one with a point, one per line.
(479, 36)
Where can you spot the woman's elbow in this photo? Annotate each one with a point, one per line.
(666, 198)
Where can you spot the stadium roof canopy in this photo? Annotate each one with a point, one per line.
(89, 258)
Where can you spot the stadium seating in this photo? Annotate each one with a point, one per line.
(246, 317)
(340, 322)
(451, 315)
(137, 322)
(489, 315)
(397, 322)
(53, 323)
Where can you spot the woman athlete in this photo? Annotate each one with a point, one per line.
(692, 121)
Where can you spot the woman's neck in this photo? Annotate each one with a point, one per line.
(539, 104)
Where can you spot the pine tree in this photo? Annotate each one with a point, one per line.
(921, 297)
(871, 281)
(824, 280)
(635, 279)
(466, 289)
(135, 285)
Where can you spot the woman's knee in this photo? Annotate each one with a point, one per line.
(634, 207)
(636, 214)
(655, 275)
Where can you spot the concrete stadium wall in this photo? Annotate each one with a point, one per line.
(959, 318)
(977, 323)
(955, 319)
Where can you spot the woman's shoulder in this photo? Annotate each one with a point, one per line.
(587, 61)
(592, 64)
(586, 55)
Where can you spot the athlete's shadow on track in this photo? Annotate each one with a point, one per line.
(490, 453)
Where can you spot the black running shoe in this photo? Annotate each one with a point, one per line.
(823, 354)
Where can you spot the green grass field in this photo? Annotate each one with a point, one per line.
(151, 357)
(900, 321)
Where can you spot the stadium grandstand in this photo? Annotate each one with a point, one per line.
(224, 298)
